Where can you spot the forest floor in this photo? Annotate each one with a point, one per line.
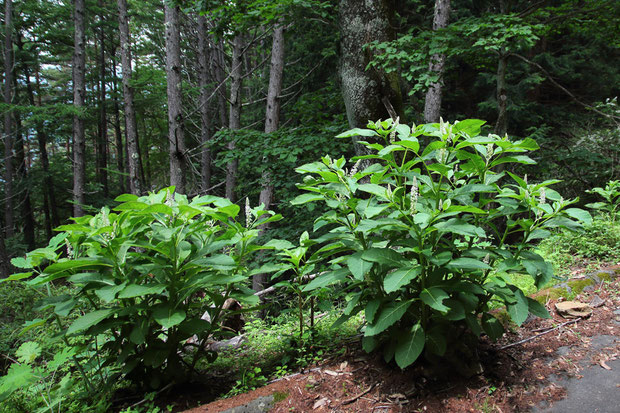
(515, 376)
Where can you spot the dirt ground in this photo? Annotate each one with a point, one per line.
(514, 378)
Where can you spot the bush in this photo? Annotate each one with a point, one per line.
(414, 235)
(142, 277)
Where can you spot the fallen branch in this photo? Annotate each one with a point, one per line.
(525, 340)
(354, 398)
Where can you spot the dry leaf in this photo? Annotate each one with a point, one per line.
(331, 373)
(604, 365)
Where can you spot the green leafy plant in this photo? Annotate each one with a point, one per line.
(414, 234)
(611, 195)
(50, 381)
(141, 278)
(250, 380)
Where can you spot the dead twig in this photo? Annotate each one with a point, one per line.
(525, 340)
(354, 398)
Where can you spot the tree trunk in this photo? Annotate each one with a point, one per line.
(205, 120)
(368, 94)
(102, 135)
(5, 266)
(118, 136)
(432, 103)
(176, 135)
(133, 159)
(8, 119)
(501, 126)
(272, 122)
(22, 173)
(79, 94)
(234, 119)
(219, 63)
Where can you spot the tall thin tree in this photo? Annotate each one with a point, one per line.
(234, 117)
(79, 94)
(8, 118)
(205, 116)
(432, 104)
(176, 132)
(102, 128)
(131, 129)
(272, 123)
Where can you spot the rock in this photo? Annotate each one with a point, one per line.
(596, 302)
(234, 342)
(573, 309)
(260, 405)
(320, 403)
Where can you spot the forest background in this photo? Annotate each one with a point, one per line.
(226, 98)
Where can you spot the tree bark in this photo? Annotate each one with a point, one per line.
(234, 119)
(176, 133)
(79, 94)
(22, 173)
(205, 116)
(8, 119)
(118, 136)
(102, 135)
(133, 159)
(364, 91)
(272, 122)
(5, 266)
(432, 103)
(501, 126)
(219, 63)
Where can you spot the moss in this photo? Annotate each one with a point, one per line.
(278, 396)
(578, 286)
(605, 276)
(553, 294)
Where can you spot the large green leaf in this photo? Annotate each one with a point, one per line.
(305, 198)
(537, 308)
(358, 267)
(460, 227)
(89, 320)
(371, 309)
(520, 309)
(357, 132)
(18, 376)
(136, 290)
(433, 297)
(396, 279)
(492, 326)
(389, 315)
(326, 279)
(168, 316)
(468, 264)
(384, 256)
(580, 215)
(410, 346)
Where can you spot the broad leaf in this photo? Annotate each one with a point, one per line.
(89, 320)
(409, 347)
(396, 279)
(433, 297)
(384, 256)
(168, 316)
(389, 315)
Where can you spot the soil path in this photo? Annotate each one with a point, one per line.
(572, 367)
